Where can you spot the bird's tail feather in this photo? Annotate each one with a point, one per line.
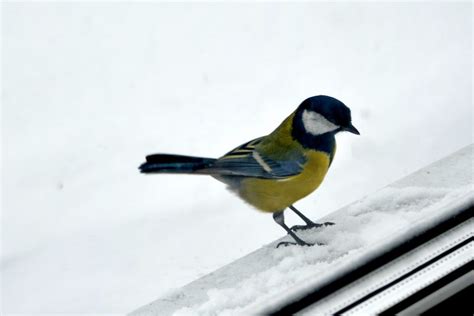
(165, 163)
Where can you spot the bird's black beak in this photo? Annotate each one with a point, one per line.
(351, 129)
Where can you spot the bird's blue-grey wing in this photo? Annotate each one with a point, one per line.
(247, 161)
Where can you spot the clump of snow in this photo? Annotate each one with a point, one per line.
(378, 217)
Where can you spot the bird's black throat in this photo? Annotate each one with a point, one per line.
(324, 142)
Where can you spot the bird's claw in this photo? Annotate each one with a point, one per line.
(302, 243)
(288, 243)
(310, 226)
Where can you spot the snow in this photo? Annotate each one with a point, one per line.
(367, 226)
(401, 265)
(89, 89)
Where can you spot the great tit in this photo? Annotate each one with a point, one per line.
(274, 171)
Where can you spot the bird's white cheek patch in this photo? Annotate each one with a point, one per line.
(315, 124)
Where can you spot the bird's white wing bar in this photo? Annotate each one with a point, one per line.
(261, 162)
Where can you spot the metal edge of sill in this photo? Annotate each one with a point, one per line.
(455, 215)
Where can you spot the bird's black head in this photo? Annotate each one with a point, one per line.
(322, 114)
(321, 117)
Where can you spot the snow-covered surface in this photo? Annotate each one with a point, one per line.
(369, 225)
(406, 288)
(403, 264)
(90, 88)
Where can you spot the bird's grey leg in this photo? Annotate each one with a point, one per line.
(280, 220)
(309, 223)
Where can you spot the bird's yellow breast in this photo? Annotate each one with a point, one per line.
(271, 195)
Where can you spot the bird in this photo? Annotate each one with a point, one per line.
(273, 172)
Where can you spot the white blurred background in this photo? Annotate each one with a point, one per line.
(90, 88)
